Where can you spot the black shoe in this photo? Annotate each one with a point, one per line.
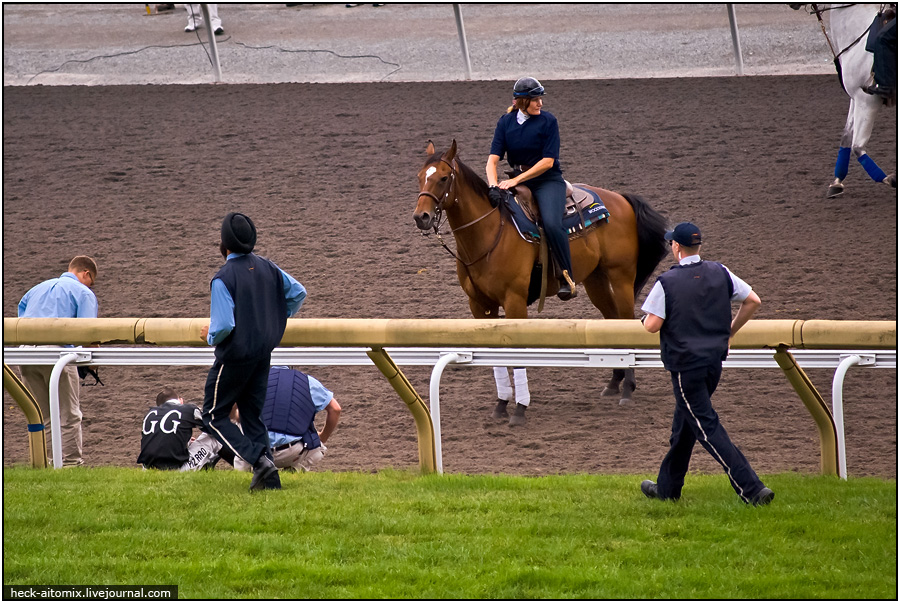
(877, 90)
(212, 462)
(273, 482)
(651, 490)
(565, 292)
(263, 468)
(764, 497)
(219, 31)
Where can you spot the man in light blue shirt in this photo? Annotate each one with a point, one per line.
(68, 296)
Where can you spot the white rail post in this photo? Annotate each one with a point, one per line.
(434, 400)
(55, 430)
(214, 51)
(735, 40)
(837, 404)
(461, 30)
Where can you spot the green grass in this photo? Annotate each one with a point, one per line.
(399, 535)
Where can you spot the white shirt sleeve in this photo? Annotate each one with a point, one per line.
(656, 301)
(741, 289)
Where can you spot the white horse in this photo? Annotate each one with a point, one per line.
(848, 29)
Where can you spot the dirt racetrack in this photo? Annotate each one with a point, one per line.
(140, 176)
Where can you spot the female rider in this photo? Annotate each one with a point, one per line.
(530, 139)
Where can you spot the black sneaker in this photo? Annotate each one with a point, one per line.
(764, 497)
(263, 468)
(651, 490)
(211, 464)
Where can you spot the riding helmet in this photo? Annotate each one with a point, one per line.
(527, 86)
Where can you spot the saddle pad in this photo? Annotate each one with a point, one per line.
(591, 215)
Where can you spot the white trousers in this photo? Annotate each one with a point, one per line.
(195, 16)
(200, 451)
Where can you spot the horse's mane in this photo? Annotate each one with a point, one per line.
(467, 174)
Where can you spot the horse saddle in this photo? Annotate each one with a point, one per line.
(584, 211)
(880, 21)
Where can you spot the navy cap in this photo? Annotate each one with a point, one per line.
(686, 234)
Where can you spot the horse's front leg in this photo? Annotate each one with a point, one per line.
(621, 281)
(514, 306)
(484, 308)
(842, 165)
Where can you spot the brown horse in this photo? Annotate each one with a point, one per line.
(494, 263)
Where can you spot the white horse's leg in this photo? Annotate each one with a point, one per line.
(864, 110)
(504, 391)
(523, 397)
(505, 394)
(842, 165)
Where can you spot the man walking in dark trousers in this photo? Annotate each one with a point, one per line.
(690, 308)
(251, 300)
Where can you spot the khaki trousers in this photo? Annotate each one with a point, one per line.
(37, 380)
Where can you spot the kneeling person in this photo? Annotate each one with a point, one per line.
(166, 441)
(292, 400)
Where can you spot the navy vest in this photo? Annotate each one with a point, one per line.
(260, 309)
(289, 406)
(697, 327)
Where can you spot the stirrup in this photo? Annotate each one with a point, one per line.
(566, 282)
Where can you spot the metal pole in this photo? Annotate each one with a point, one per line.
(735, 40)
(461, 30)
(837, 405)
(211, 36)
(434, 402)
(55, 428)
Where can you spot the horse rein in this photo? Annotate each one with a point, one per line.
(439, 217)
(819, 11)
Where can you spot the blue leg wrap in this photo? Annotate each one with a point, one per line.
(842, 164)
(872, 168)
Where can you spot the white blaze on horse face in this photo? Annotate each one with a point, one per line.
(429, 172)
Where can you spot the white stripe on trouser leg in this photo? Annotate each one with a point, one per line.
(212, 417)
(504, 387)
(520, 377)
(706, 439)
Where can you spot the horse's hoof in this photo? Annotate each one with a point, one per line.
(624, 401)
(500, 410)
(892, 180)
(834, 191)
(518, 416)
(610, 391)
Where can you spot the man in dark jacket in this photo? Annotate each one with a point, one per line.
(690, 308)
(166, 436)
(292, 402)
(251, 300)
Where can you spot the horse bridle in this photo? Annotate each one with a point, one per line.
(439, 201)
(439, 216)
(819, 11)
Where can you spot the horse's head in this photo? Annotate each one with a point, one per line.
(436, 180)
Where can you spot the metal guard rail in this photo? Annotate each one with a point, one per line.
(840, 360)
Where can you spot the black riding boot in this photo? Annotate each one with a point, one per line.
(566, 287)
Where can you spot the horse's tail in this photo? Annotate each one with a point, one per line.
(651, 231)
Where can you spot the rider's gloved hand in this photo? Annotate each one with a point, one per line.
(496, 196)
